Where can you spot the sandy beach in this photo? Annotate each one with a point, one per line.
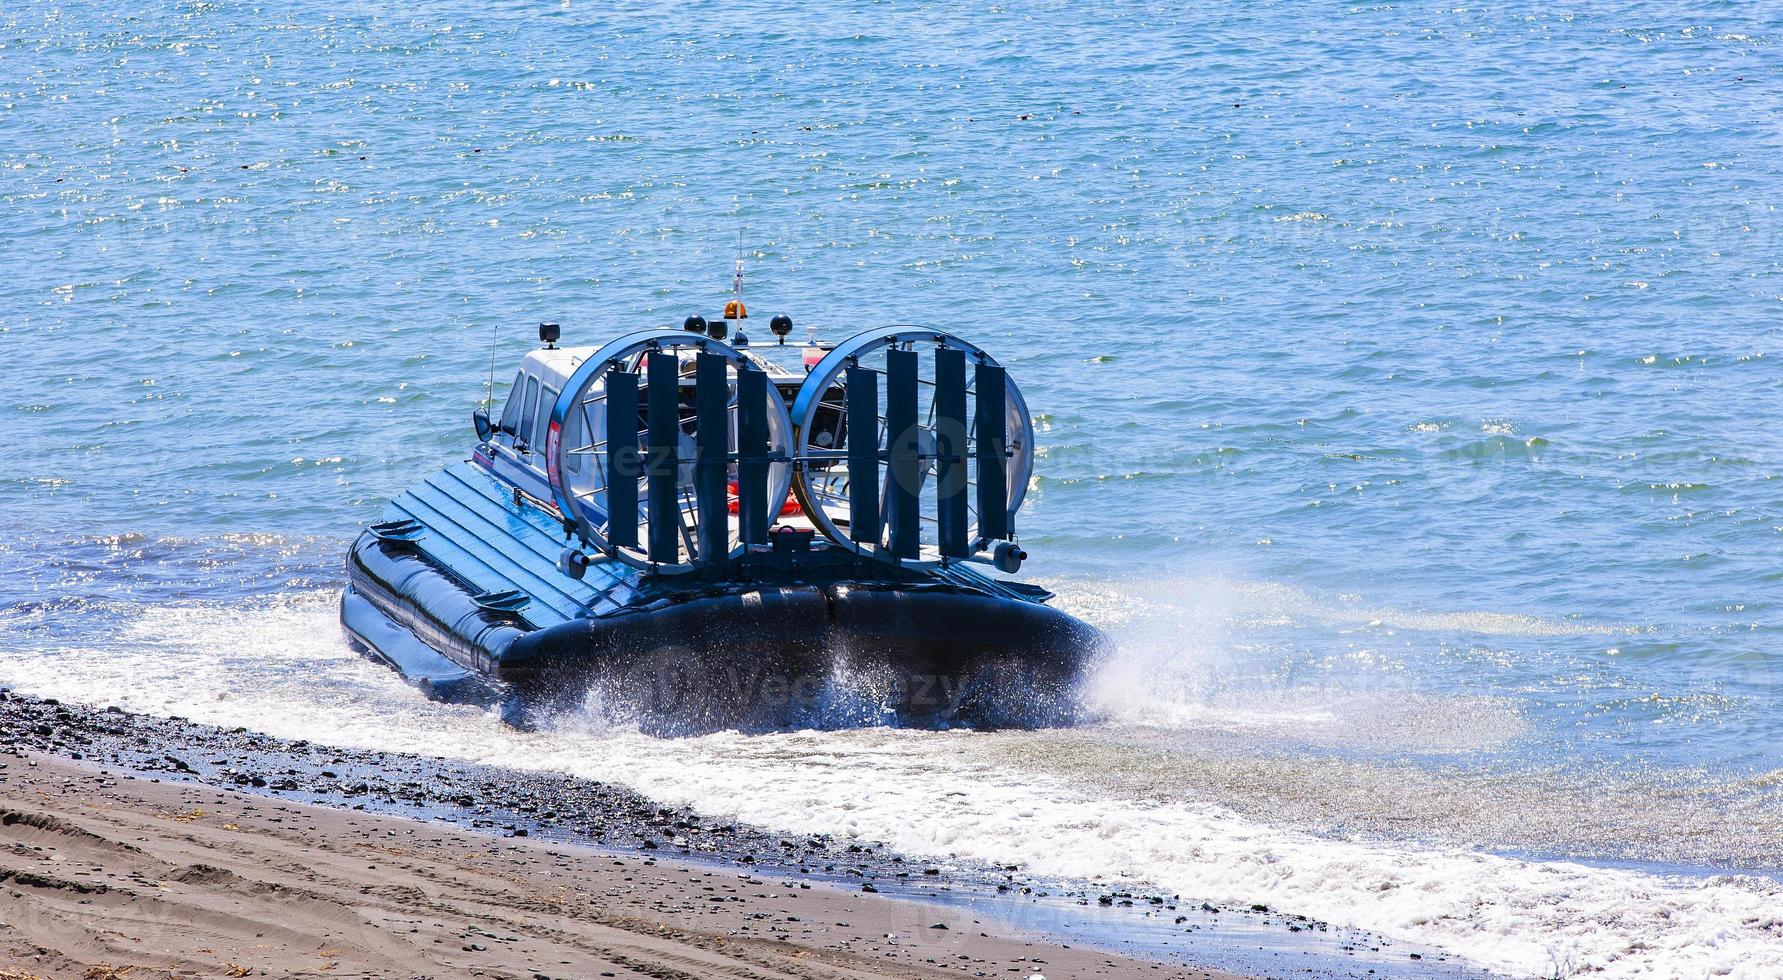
(105, 875)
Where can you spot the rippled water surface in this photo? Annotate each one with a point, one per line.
(1407, 378)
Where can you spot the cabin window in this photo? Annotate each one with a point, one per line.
(531, 409)
(510, 415)
(541, 422)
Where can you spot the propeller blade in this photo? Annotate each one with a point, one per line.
(992, 434)
(863, 456)
(711, 453)
(753, 516)
(901, 435)
(623, 467)
(663, 462)
(950, 452)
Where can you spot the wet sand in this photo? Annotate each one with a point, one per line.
(107, 875)
(490, 804)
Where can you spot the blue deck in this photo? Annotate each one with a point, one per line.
(475, 529)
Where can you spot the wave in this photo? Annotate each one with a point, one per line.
(281, 667)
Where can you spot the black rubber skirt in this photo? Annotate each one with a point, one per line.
(749, 657)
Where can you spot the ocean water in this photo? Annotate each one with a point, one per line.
(1408, 382)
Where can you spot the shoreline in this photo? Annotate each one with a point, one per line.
(107, 875)
(499, 805)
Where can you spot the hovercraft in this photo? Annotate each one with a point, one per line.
(700, 534)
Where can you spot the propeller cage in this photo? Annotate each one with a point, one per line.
(673, 452)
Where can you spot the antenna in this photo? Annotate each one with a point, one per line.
(737, 283)
(489, 402)
(734, 310)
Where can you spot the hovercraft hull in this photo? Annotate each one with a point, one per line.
(458, 589)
